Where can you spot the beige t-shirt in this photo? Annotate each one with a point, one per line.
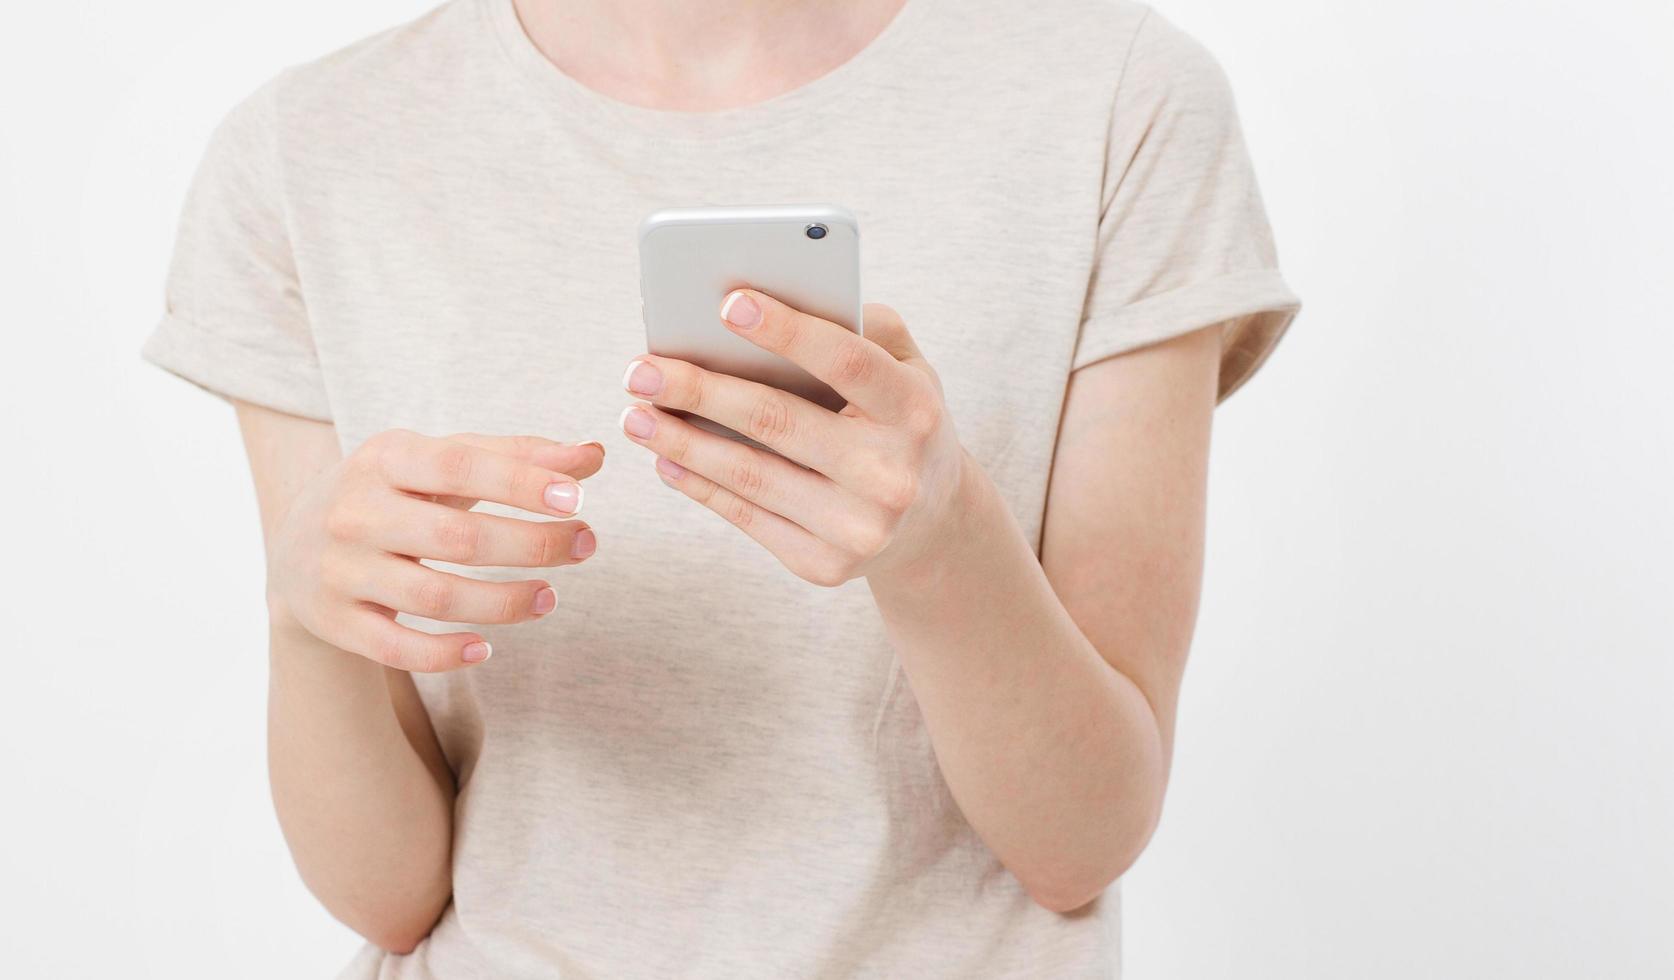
(700, 765)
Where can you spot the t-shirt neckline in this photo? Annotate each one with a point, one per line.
(564, 93)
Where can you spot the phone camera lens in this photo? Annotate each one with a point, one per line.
(816, 232)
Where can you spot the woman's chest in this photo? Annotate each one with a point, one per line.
(508, 302)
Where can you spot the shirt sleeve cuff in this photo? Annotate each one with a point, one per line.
(231, 370)
(1255, 306)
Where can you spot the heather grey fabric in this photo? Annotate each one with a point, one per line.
(699, 765)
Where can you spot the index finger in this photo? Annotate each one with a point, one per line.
(456, 468)
(578, 459)
(865, 374)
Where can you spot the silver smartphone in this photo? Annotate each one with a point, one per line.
(805, 255)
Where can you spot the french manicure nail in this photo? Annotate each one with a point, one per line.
(669, 469)
(593, 442)
(643, 378)
(741, 311)
(638, 423)
(584, 543)
(545, 601)
(476, 653)
(565, 498)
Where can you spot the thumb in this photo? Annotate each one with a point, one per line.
(885, 328)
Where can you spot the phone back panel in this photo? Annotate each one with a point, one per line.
(690, 258)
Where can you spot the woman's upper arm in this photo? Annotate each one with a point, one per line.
(1123, 536)
(287, 453)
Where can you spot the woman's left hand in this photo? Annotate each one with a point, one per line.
(882, 477)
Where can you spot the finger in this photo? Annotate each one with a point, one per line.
(856, 368)
(450, 468)
(762, 478)
(579, 460)
(885, 328)
(800, 551)
(791, 426)
(374, 635)
(404, 525)
(407, 586)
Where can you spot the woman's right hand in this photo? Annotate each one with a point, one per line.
(345, 557)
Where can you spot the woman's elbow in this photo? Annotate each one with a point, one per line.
(1065, 886)
(397, 928)
(1066, 893)
(393, 935)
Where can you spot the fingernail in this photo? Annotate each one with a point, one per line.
(741, 311)
(476, 653)
(643, 378)
(593, 442)
(670, 469)
(638, 422)
(565, 498)
(545, 601)
(584, 543)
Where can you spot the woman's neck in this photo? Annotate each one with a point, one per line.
(701, 56)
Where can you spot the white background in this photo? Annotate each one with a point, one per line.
(1427, 729)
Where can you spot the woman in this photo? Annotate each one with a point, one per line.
(922, 721)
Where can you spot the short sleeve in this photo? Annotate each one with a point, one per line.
(1183, 238)
(235, 321)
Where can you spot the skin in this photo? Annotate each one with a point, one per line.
(349, 743)
(700, 57)
(1056, 747)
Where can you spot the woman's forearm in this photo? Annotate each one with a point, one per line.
(368, 821)
(1053, 755)
(1051, 745)
(363, 793)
